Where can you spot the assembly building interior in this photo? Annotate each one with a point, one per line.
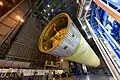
(59, 39)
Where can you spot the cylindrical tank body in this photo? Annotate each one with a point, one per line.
(62, 38)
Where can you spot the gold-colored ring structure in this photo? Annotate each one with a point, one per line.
(62, 20)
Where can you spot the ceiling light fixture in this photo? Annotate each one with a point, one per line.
(52, 10)
(18, 17)
(22, 20)
(77, 1)
(44, 10)
(84, 27)
(89, 37)
(48, 5)
(1, 3)
(61, 60)
(48, 14)
(87, 7)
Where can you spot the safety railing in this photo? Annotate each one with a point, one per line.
(103, 46)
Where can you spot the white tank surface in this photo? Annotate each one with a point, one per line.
(62, 38)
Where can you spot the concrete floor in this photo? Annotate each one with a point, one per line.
(91, 77)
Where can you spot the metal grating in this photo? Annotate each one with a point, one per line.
(25, 44)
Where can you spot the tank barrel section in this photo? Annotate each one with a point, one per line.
(62, 38)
